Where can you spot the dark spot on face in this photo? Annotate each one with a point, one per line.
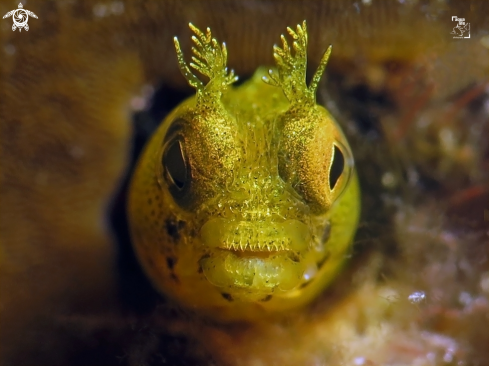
(174, 277)
(173, 228)
(326, 234)
(266, 298)
(305, 284)
(323, 260)
(201, 270)
(294, 257)
(227, 296)
(170, 262)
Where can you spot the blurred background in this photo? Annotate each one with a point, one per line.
(85, 86)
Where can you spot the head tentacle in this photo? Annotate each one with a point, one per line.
(291, 68)
(209, 59)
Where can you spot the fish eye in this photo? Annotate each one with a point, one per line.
(175, 165)
(176, 169)
(337, 167)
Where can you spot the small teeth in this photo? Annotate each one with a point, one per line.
(255, 246)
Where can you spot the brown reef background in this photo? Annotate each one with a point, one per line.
(84, 87)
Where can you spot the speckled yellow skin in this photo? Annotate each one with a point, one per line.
(253, 224)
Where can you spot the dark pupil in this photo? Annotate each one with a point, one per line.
(174, 164)
(336, 168)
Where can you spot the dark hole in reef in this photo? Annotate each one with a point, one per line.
(337, 167)
(137, 296)
(135, 290)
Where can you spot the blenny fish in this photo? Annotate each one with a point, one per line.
(246, 200)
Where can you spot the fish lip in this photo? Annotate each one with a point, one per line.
(255, 237)
(260, 254)
(256, 274)
(257, 254)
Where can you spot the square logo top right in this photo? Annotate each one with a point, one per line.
(461, 29)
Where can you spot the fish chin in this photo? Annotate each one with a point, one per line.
(257, 273)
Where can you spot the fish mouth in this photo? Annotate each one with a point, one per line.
(259, 258)
(256, 237)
